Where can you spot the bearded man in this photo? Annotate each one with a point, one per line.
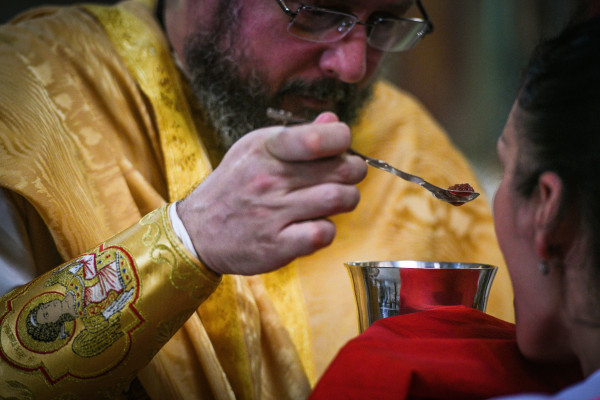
(141, 130)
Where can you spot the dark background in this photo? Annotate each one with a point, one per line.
(12, 7)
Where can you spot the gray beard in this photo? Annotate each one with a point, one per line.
(236, 104)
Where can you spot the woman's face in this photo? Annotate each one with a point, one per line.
(537, 305)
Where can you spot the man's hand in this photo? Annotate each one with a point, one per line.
(268, 201)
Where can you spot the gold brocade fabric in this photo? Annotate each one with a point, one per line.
(114, 161)
(102, 107)
(85, 328)
(186, 163)
(148, 59)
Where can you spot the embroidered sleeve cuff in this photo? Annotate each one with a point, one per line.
(88, 326)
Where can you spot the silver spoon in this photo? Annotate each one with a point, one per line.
(455, 197)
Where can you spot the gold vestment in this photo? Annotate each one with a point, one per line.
(98, 129)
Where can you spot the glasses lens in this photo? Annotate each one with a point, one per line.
(396, 34)
(321, 25)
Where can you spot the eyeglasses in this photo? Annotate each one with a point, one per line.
(383, 33)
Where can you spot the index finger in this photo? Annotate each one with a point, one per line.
(309, 141)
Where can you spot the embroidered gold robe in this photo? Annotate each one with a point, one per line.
(98, 129)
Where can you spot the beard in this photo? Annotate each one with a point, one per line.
(235, 103)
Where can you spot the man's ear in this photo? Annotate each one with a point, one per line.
(548, 201)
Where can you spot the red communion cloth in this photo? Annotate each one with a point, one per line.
(452, 352)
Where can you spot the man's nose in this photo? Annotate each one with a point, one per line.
(346, 59)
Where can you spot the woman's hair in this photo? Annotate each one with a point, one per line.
(558, 125)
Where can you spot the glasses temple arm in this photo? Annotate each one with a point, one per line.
(422, 10)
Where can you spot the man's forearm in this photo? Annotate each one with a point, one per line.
(89, 325)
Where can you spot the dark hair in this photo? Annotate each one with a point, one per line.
(558, 123)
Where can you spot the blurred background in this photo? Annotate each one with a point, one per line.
(467, 72)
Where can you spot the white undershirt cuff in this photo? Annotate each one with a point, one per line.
(180, 230)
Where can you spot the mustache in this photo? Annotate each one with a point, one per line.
(327, 89)
(345, 98)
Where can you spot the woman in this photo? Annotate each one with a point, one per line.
(547, 207)
(547, 214)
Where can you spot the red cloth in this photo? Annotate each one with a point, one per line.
(450, 352)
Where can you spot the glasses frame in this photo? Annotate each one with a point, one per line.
(292, 14)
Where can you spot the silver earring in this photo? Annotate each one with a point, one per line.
(543, 267)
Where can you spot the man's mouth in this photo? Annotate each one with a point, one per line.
(315, 103)
(305, 105)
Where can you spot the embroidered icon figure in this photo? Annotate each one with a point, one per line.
(98, 286)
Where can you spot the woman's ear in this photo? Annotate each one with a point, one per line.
(548, 201)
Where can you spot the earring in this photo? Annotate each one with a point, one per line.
(544, 267)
